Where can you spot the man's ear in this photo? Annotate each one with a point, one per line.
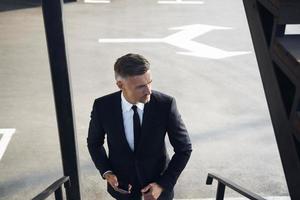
(119, 84)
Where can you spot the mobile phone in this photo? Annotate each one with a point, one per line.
(123, 188)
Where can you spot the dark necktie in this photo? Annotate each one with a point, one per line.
(136, 127)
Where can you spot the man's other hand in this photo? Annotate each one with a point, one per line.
(152, 191)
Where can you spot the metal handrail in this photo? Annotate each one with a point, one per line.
(54, 188)
(223, 182)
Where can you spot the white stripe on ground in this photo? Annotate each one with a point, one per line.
(96, 1)
(244, 198)
(7, 134)
(180, 2)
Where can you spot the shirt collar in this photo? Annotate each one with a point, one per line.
(127, 106)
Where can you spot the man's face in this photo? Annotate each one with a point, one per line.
(136, 88)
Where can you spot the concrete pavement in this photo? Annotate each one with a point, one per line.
(221, 99)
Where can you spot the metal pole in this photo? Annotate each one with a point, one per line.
(58, 194)
(53, 20)
(280, 77)
(220, 191)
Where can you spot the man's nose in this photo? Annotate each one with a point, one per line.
(148, 89)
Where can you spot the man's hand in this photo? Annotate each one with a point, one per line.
(152, 191)
(111, 179)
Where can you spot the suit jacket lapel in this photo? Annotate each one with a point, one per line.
(147, 116)
(119, 121)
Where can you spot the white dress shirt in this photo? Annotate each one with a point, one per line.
(128, 119)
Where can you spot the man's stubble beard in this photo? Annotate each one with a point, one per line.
(145, 99)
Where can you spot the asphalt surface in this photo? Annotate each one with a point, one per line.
(221, 100)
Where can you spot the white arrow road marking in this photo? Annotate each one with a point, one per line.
(7, 134)
(96, 1)
(180, 2)
(183, 39)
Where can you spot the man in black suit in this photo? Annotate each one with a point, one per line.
(135, 121)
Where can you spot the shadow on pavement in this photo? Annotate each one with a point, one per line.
(7, 5)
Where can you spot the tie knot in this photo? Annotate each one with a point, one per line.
(134, 108)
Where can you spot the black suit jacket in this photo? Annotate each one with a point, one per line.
(150, 162)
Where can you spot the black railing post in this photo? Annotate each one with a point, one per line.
(222, 183)
(220, 191)
(58, 194)
(56, 188)
(53, 19)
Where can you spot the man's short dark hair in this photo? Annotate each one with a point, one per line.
(131, 65)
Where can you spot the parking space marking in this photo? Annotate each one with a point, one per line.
(7, 133)
(180, 2)
(184, 39)
(96, 1)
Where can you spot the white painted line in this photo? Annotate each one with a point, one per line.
(7, 134)
(131, 40)
(96, 1)
(184, 39)
(180, 2)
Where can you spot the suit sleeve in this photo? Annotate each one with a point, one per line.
(182, 147)
(95, 141)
